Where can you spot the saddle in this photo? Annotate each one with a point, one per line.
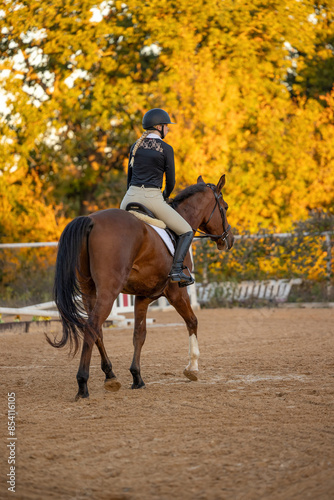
(143, 213)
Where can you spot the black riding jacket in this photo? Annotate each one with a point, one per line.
(153, 159)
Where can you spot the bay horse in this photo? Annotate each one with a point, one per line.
(111, 252)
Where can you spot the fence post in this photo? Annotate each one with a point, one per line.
(329, 264)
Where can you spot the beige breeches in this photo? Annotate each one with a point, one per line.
(152, 199)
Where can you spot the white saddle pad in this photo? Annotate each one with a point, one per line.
(165, 237)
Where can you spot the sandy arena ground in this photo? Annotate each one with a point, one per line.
(259, 424)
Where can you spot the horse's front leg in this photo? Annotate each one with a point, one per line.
(179, 298)
(139, 336)
(191, 371)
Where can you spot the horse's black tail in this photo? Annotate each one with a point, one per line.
(66, 287)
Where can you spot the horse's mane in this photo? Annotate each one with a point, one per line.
(187, 192)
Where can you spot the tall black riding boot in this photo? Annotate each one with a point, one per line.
(176, 274)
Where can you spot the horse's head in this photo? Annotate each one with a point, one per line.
(215, 220)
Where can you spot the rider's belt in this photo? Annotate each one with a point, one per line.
(145, 186)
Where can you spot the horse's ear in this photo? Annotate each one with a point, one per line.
(221, 183)
(200, 179)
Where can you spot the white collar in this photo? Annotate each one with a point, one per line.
(152, 135)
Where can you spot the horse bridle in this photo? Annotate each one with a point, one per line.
(224, 235)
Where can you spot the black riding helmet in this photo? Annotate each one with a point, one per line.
(155, 117)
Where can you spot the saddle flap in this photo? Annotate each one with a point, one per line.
(143, 213)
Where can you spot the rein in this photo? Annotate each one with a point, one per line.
(222, 236)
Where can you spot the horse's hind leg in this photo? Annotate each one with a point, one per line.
(139, 336)
(179, 298)
(97, 316)
(89, 299)
(111, 383)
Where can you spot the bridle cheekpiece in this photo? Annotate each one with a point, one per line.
(224, 235)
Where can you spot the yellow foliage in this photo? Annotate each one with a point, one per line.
(246, 82)
(25, 215)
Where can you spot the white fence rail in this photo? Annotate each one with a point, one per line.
(277, 291)
(47, 310)
(123, 304)
(29, 245)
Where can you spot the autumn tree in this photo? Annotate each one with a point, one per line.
(249, 84)
(74, 90)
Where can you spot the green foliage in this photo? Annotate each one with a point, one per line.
(26, 276)
(303, 254)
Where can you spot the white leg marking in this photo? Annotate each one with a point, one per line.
(193, 353)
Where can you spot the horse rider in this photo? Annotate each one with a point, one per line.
(150, 159)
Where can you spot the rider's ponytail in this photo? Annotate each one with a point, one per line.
(137, 146)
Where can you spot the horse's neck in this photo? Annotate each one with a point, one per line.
(192, 210)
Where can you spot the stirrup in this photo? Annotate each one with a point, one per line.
(182, 280)
(186, 283)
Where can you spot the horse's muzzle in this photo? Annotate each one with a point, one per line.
(226, 243)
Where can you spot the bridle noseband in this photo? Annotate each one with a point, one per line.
(222, 236)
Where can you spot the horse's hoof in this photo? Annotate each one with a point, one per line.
(81, 396)
(112, 384)
(191, 375)
(139, 386)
